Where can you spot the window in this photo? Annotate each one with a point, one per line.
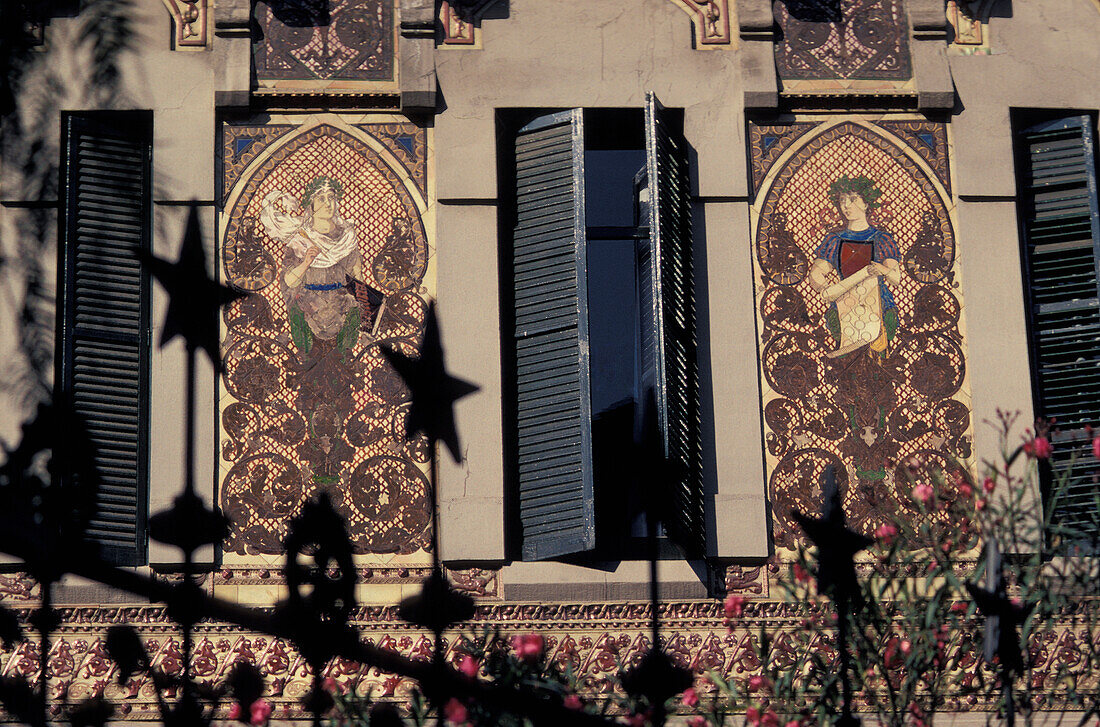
(1060, 222)
(103, 313)
(599, 292)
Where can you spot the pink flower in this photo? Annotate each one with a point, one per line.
(886, 532)
(905, 646)
(637, 720)
(794, 723)
(757, 682)
(572, 701)
(770, 719)
(959, 607)
(965, 490)
(259, 712)
(689, 698)
(1038, 447)
(801, 575)
(890, 657)
(734, 605)
(989, 484)
(752, 716)
(1096, 447)
(698, 721)
(332, 686)
(923, 493)
(234, 711)
(468, 666)
(980, 503)
(528, 647)
(455, 711)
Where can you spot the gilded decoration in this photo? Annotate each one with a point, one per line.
(595, 639)
(710, 19)
(324, 229)
(189, 19)
(842, 39)
(969, 20)
(861, 332)
(342, 40)
(460, 21)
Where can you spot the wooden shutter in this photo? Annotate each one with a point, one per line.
(553, 405)
(104, 315)
(672, 309)
(1062, 229)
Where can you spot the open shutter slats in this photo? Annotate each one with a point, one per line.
(1061, 222)
(672, 300)
(553, 411)
(104, 309)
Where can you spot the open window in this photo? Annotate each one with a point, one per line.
(602, 310)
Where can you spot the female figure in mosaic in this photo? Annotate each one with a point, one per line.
(321, 256)
(852, 268)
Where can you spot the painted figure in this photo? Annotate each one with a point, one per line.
(320, 261)
(861, 311)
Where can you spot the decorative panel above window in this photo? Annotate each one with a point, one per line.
(338, 47)
(842, 45)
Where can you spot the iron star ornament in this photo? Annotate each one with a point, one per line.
(194, 299)
(433, 390)
(836, 544)
(1002, 615)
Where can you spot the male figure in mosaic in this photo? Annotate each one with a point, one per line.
(861, 311)
(321, 255)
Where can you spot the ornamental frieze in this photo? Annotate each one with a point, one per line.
(595, 639)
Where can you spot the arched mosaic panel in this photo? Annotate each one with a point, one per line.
(325, 231)
(861, 335)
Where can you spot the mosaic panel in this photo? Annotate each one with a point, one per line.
(407, 142)
(770, 142)
(861, 334)
(341, 39)
(930, 141)
(326, 236)
(842, 39)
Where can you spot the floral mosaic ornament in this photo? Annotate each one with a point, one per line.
(324, 231)
(842, 39)
(862, 346)
(344, 39)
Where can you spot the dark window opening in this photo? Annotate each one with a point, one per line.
(103, 316)
(1059, 216)
(588, 330)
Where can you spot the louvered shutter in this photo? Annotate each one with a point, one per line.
(104, 369)
(1062, 228)
(553, 405)
(671, 298)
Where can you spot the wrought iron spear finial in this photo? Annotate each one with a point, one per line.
(656, 678)
(1002, 617)
(837, 546)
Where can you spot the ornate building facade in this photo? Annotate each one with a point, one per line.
(803, 224)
